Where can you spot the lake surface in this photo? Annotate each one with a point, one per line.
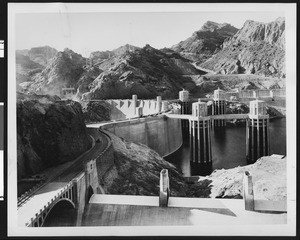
(229, 148)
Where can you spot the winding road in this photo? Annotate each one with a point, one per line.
(31, 205)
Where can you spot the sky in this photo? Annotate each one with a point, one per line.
(88, 32)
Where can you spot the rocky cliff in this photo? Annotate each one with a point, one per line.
(32, 61)
(146, 72)
(257, 48)
(205, 42)
(87, 77)
(26, 68)
(64, 70)
(94, 112)
(268, 176)
(41, 55)
(49, 132)
(98, 57)
(137, 171)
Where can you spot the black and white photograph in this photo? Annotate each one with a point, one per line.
(152, 119)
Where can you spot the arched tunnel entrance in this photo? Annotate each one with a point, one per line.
(62, 214)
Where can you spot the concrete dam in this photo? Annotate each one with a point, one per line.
(160, 133)
(153, 123)
(142, 121)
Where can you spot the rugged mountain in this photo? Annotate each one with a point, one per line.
(40, 55)
(257, 48)
(87, 77)
(49, 132)
(32, 61)
(26, 68)
(205, 42)
(64, 70)
(99, 56)
(147, 72)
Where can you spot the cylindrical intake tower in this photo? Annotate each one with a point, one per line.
(185, 109)
(200, 140)
(218, 107)
(257, 131)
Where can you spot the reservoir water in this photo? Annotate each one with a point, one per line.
(229, 148)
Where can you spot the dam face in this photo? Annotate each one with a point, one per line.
(160, 133)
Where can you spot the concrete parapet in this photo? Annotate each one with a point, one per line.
(134, 101)
(252, 204)
(158, 104)
(164, 188)
(279, 92)
(262, 93)
(129, 108)
(248, 194)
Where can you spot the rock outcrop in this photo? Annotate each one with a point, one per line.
(86, 78)
(98, 57)
(146, 72)
(33, 61)
(64, 70)
(42, 55)
(257, 48)
(94, 112)
(268, 176)
(26, 68)
(49, 132)
(137, 171)
(205, 42)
